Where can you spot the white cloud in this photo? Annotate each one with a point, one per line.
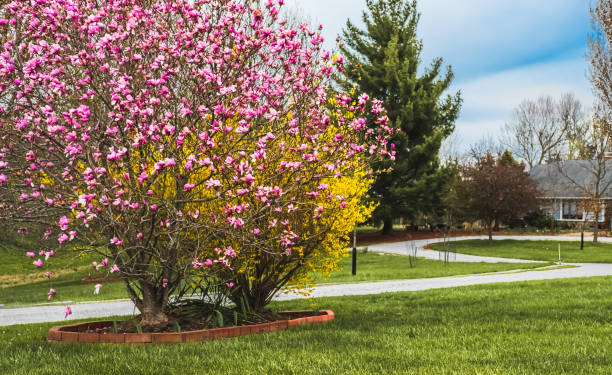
(489, 100)
(476, 36)
(502, 51)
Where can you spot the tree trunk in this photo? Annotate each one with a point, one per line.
(151, 305)
(552, 225)
(490, 231)
(595, 232)
(152, 314)
(387, 226)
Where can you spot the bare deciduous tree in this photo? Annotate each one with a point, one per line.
(541, 129)
(485, 145)
(600, 58)
(450, 149)
(593, 175)
(574, 119)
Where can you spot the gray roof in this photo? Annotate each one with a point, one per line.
(572, 178)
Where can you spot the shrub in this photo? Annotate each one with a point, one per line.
(167, 136)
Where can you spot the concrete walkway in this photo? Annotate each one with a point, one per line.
(404, 247)
(49, 313)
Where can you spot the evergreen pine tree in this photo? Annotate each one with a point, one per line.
(383, 61)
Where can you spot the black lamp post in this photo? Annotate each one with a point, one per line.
(354, 251)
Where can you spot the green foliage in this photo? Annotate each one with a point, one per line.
(383, 61)
(214, 315)
(542, 327)
(177, 326)
(538, 219)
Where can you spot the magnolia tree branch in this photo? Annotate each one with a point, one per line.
(182, 139)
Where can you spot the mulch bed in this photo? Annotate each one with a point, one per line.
(191, 324)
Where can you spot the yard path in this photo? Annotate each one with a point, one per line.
(50, 313)
(404, 246)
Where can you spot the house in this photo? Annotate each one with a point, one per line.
(570, 190)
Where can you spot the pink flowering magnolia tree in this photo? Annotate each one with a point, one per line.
(178, 139)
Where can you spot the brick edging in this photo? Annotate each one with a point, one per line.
(70, 333)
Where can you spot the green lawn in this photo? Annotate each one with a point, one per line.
(15, 262)
(69, 287)
(21, 282)
(370, 267)
(373, 266)
(535, 250)
(543, 327)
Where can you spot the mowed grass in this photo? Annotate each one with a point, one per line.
(535, 250)
(69, 287)
(15, 262)
(371, 266)
(23, 283)
(16, 268)
(541, 327)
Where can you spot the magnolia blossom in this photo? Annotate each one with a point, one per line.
(118, 110)
(50, 294)
(63, 237)
(63, 223)
(97, 288)
(67, 311)
(116, 241)
(38, 263)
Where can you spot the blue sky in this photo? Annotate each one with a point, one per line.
(501, 51)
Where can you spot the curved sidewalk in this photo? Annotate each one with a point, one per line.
(50, 313)
(581, 270)
(403, 248)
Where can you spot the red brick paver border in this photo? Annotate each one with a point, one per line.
(76, 332)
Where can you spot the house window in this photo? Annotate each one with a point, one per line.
(570, 210)
(573, 211)
(589, 216)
